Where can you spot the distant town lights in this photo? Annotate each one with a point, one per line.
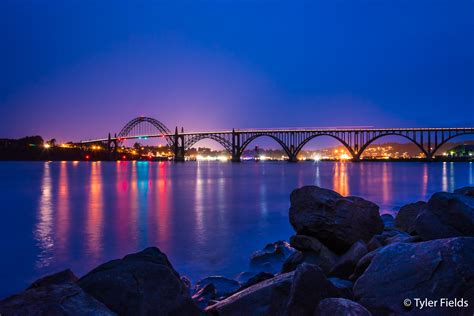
(46, 145)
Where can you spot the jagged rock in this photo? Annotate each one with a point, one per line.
(336, 221)
(373, 244)
(205, 295)
(323, 257)
(442, 268)
(340, 307)
(401, 238)
(344, 287)
(140, 283)
(56, 294)
(446, 215)
(363, 264)
(271, 258)
(310, 257)
(406, 216)
(259, 277)
(347, 263)
(469, 191)
(269, 297)
(309, 287)
(224, 286)
(65, 276)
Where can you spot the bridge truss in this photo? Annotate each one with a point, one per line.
(292, 141)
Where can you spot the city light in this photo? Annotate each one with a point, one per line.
(317, 158)
(46, 145)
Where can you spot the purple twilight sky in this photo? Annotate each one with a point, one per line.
(79, 69)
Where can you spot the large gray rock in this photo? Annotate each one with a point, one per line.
(140, 283)
(271, 257)
(340, 307)
(346, 264)
(205, 294)
(223, 286)
(269, 297)
(407, 215)
(446, 215)
(336, 221)
(53, 295)
(442, 268)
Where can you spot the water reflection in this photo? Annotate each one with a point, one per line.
(340, 179)
(94, 223)
(63, 207)
(199, 213)
(44, 227)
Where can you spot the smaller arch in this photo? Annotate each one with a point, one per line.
(449, 138)
(253, 137)
(306, 140)
(161, 128)
(370, 141)
(221, 140)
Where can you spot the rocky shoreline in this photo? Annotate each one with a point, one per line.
(344, 259)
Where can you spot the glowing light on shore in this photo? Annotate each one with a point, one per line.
(316, 157)
(46, 145)
(344, 157)
(211, 158)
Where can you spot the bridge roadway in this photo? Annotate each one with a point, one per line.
(355, 140)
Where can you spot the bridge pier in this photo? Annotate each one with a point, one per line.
(292, 158)
(235, 158)
(179, 150)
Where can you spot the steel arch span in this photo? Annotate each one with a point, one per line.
(138, 127)
(221, 139)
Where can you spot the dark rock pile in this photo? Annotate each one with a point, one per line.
(345, 259)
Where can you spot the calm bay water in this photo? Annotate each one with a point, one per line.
(208, 217)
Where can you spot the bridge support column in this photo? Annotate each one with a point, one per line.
(178, 147)
(235, 146)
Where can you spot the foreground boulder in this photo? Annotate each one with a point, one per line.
(340, 307)
(269, 297)
(442, 268)
(446, 215)
(407, 215)
(271, 258)
(53, 295)
(140, 283)
(336, 221)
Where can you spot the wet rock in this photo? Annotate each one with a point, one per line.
(310, 257)
(433, 269)
(373, 244)
(406, 216)
(388, 221)
(271, 258)
(65, 276)
(223, 286)
(259, 277)
(469, 191)
(269, 297)
(309, 287)
(363, 264)
(347, 263)
(323, 257)
(446, 215)
(140, 283)
(340, 307)
(205, 295)
(344, 287)
(53, 295)
(336, 221)
(400, 238)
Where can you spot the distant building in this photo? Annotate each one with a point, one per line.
(461, 151)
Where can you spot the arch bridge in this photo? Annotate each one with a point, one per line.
(292, 141)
